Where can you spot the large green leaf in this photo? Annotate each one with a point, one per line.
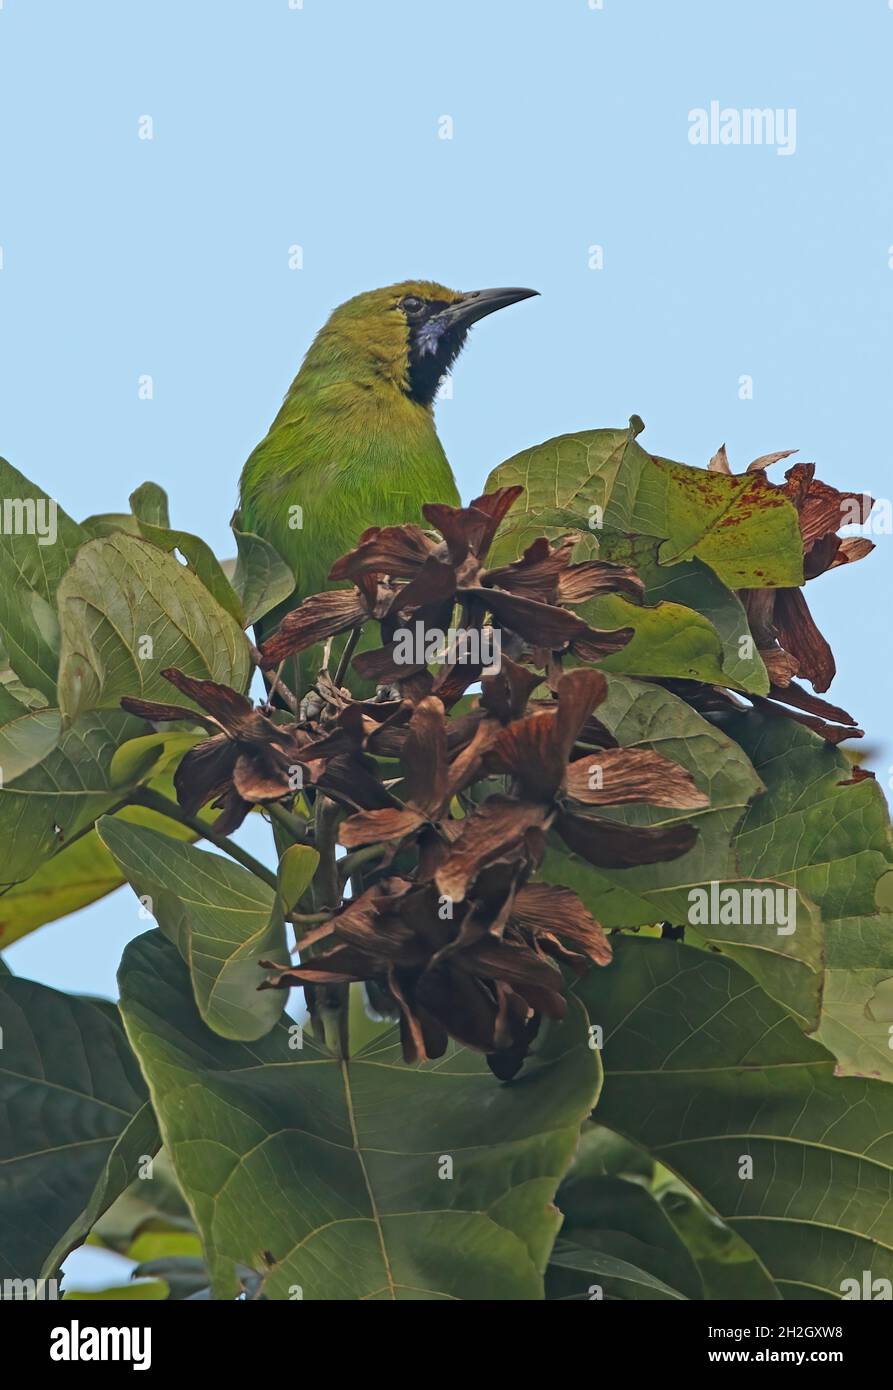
(815, 827)
(69, 1086)
(712, 631)
(595, 1223)
(201, 561)
(296, 869)
(50, 803)
(127, 611)
(743, 528)
(221, 918)
(149, 504)
(80, 873)
(26, 736)
(261, 577)
(607, 1220)
(151, 1204)
(830, 837)
(857, 1021)
(330, 1177)
(668, 640)
(729, 1269)
(643, 715)
(31, 566)
(580, 1273)
(706, 1072)
(104, 523)
(138, 1141)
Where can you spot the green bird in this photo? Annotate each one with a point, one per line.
(354, 444)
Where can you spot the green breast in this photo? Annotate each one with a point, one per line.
(322, 476)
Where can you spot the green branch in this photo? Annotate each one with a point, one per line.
(154, 801)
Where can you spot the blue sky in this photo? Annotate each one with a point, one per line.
(319, 126)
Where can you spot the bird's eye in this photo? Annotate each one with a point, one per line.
(412, 304)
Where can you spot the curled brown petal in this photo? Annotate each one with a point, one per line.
(496, 505)
(595, 643)
(424, 757)
(822, 508)
(830, 721)
(540, 624)
(423, 1038)
(593, 577)
(233, 812)
(766, 461)
(799, 635)
(205, 772)
(505, 694)
(472, 528)
(536, 575)
(617, 775)
(256, 780)
(227, 706)
(579, 693)
(462, 1003)
(342, 965)
(858, 774)
(389, 823)
(399, 551)
(320, 616)
(611, 845)
(852, 548)
(534, 978)
(435, 581)
(530, 750)
(548, 907)
(535, 750)
(163, 714)
(820, 556)
(466, 765)
(780, 665)
(353, 782)
(497, 827)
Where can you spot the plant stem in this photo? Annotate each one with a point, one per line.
(154, 801)
(326, 876)
(346, 655)
(293, 825)
(307, 919)
(85, 829)
(276, 682)
(334, 1000)
(351, 862)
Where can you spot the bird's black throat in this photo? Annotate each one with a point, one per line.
(433, 348)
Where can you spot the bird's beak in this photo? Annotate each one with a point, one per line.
(478, 303)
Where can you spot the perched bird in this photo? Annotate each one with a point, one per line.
(354, 444)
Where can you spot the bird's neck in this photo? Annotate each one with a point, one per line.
(356, 398)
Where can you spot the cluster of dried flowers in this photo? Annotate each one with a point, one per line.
(460, 801)
(782, 626)
(450, 924)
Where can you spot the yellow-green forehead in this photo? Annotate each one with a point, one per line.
(425, 289)
(391, 295)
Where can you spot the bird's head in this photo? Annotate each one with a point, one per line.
(408, 334)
